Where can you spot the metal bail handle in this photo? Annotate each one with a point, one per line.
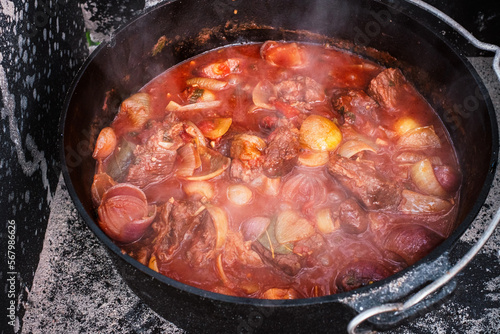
(431, 288)
(397, 308)
(464, 32)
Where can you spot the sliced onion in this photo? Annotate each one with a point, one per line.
(201, 189)
(153, 263)
(219, 218)
(267, 185)
(313, 158)
(196, 133)
(263, 93)
(124, 214)
(212, 164)
(283, 54)
(422, 174)
(290, 227)
(353, 147)
(189, 160)
(239, 194)
(207, 96)
(220, 70)
(414, 157)
(419, 139)
(137, 108)
(215, 128)
(325, 222)
(174, 106)
(277, 293)
(105, 144)
(222, 274)
(102, 182)
(207, 83)
(415, 203)
(254, 227)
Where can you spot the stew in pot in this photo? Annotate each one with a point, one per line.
(276, 170)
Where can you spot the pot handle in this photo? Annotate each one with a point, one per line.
(464, 32)
(418, 297)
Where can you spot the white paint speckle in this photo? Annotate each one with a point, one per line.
(8, 8)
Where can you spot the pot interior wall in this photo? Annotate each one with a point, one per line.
(191, 27)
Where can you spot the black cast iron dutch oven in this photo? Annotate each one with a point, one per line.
(181, 29)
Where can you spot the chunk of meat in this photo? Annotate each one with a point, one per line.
(388, 87)
(154, 160)
(178, 221)
(300, 92)
(391, 90)
(353, 218)
(282, 151)
(245, 172)
(355, 107)
(199, 243)
(236, 250)
(360, 273)
(367, 184)
(247, 153)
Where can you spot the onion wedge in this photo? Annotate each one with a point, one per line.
(212, 164)
(220, 220)
(189, 160)
(353, 147)
(419, 139)
(215, 128)
(263, 93)
(325, 222)
(422, 174)
(174, 106)
(201, 189)
(290, 227)
(253, 228)
(207, 83)
(415, 203)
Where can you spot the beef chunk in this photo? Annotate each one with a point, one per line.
(389, 87)
(353, 218)
(200, 244)
(244, 172)
(354, 106)
(300, 92)
(178, 222)
(367, 184)
(154, 160)
(361, 273)
(281, 152)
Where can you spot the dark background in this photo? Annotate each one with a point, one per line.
(42, 46)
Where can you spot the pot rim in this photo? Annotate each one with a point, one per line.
(438, 251)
